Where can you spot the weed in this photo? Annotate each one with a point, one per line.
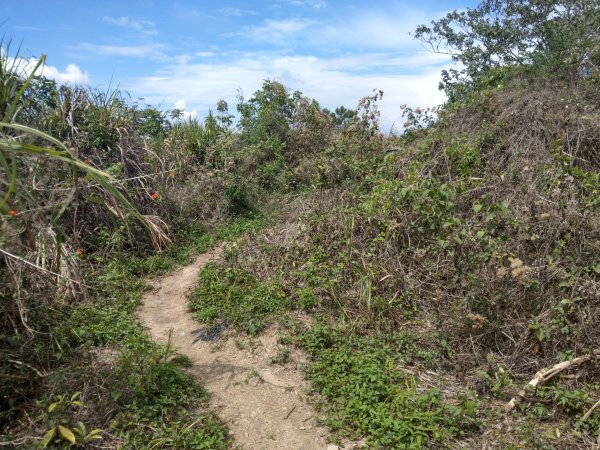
(364, 393)
(282, 357)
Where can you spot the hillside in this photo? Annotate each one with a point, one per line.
(427, 276)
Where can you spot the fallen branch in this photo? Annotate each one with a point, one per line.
(545, 374)
(19, 363)
(590, 411)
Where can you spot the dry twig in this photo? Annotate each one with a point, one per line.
(545, 374)
(590, 411)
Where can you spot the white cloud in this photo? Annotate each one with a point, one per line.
(236, 12)
(332, 82)
(139, 25)
(155, 51)
(151, 51)
(356, 30)
(24, 66)
(276, 31)
(71, 75)
(369, 30)
(180, 105)
(315, 4)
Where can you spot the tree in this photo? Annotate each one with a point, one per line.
(225, 119)
(559, 36)
(153, 123)
(342, 116)
(268, 114)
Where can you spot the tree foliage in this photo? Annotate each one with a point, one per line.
(558, 36)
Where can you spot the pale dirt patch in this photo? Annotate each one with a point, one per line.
(263, 405)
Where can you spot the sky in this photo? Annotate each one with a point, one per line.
(190, 54)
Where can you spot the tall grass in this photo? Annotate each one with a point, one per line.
(45, 192)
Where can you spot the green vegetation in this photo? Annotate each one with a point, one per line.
(546, 38)
(236, 297)
(440, 268)
(113, 383)
(365, 392)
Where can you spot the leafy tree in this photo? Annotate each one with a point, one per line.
(268, 115)
(559, 36)
(342, 116)
(153, 123)
(225, 119)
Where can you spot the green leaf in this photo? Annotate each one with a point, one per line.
(94, 434)
(11, 110)
(52, 407)
(80, 429)
(477, 207)
(67, 434)
(62, 154)
(47, 437)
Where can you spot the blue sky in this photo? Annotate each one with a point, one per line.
(193, 53)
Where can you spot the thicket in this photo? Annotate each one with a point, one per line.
(465, 254)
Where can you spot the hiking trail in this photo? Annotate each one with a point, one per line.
(264, 405)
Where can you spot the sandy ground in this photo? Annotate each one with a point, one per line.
(263, 404)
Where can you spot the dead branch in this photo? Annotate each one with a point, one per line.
(21, 363)
(35, 266)
(590, 411)
(545, 374)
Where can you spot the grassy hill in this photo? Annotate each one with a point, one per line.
(428, 275)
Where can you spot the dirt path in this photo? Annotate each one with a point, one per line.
(263, 404)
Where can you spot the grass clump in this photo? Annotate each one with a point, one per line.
(236, 297)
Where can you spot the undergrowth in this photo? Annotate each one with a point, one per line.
(467, 247)
(477, 235)
(114, 385)
(364, 392)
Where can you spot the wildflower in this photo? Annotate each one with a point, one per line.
(80, 252)
(12, 212)
(154, 196)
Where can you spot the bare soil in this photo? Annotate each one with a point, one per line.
(264, 405)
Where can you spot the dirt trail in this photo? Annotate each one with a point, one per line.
(263, 405)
